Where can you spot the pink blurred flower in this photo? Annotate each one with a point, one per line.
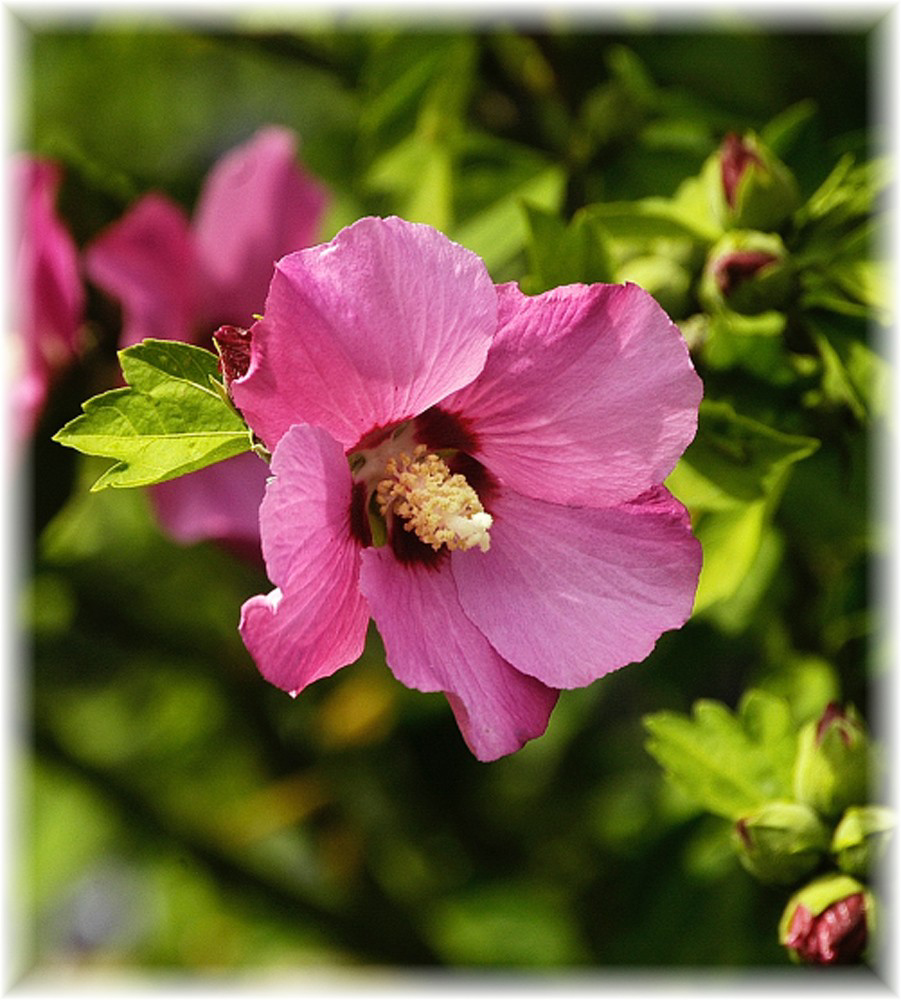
(50, 297)
(510, 449)
(179, 279)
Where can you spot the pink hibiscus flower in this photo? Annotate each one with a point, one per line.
(179, 279)
(50, 297)
(509, 451)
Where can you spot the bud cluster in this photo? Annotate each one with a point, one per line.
(753, 195)
(730, 254)
(827, 830)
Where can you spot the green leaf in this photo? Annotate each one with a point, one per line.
(419, 175)
(847, 195)
(755, 344)
(560, 254)
(734, 460)
(769, 722)
(728, 764)
(737, 582)
(853, 373)
(730, 540)
(731, 478)
(413, 82)
(649, 219)
(169, 421)
(498, 232)
(806, 681)
(419, 170)
(781, 132)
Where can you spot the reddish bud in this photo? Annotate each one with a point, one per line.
(832, 767)
(748, 272)
(750, 187)
(233, 345)
(836, 936)
(735, 268)
(834, 713)
(735, 157)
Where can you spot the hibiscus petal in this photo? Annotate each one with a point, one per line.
(220, 502)
(431, 645)
(588, 395)
(146, 260)
(49, 302)
(371, 328)
(257, 204)
(315, 621)
(567, 594)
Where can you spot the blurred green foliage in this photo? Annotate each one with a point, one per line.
(183, 813)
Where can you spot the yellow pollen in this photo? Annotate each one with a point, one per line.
(441, 507)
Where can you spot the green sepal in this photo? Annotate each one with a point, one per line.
(172, 418)
(769, 288)
(861, 838)
(766, 193)
(833, 765)
(781, 842)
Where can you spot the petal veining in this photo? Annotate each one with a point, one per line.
(369, 329)
(431, 645)
(315, 621)
(588, 395)
(567, 594)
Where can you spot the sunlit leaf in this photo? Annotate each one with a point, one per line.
(499, 231)
(727, 763)
(560, 254)
(734, 459)
(854, 374)
(731, 478)
(170, 420)
(649, 218)
(730, 540)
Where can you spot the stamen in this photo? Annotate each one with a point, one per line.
(440, 506)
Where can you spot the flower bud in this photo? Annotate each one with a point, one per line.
(233, 345)
(828, 922)
(756, 190)
(781, 842)
(749, 272)
(861, 838)
(832, 764)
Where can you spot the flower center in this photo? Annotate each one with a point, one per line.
(438, 505)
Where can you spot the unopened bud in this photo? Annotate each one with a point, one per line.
(832, 766)
(828, 922)
(861, 838)
(781, 842)
(735, 158)
(755, 189)
(233, 345)
(749, 272)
